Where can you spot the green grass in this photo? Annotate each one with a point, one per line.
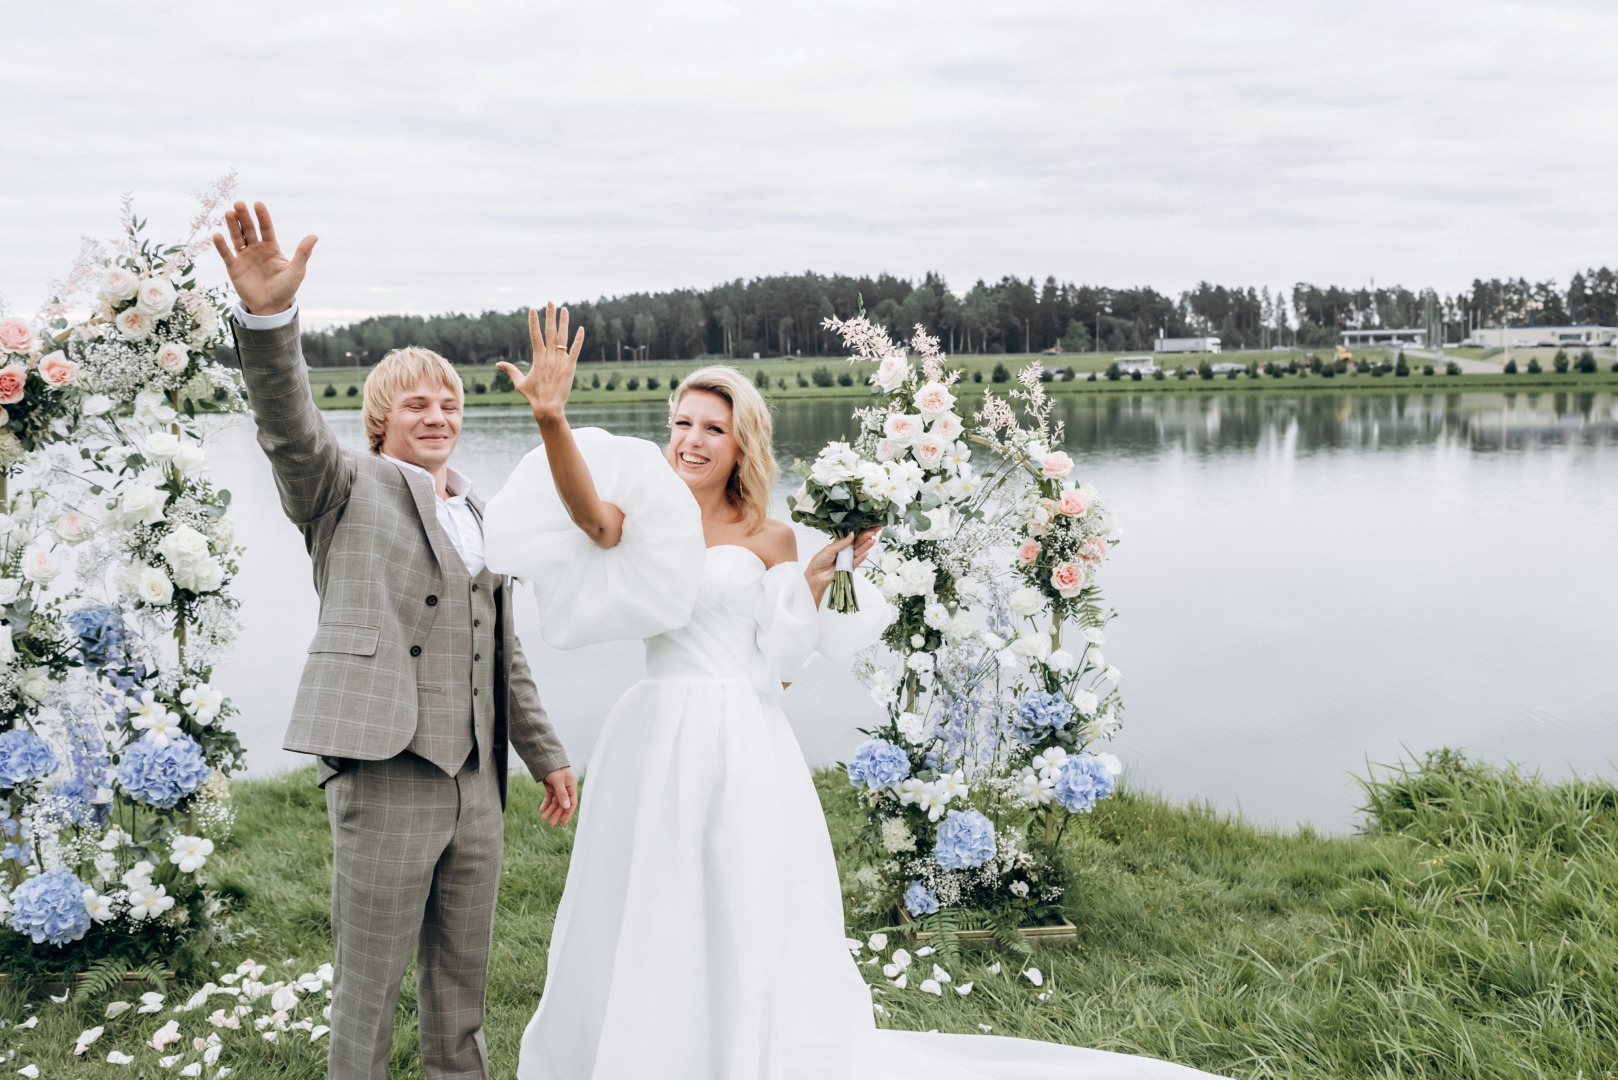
(782, 376)
(1471, 932)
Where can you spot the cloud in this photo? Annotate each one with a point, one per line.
(492, 154)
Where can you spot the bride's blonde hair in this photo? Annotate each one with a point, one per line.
(753, 478)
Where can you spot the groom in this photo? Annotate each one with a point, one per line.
(414, 684)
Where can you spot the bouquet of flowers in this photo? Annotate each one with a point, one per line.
(845, 494)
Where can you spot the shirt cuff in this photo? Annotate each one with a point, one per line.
(250, 321)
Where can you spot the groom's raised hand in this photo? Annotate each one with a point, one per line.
(264, 278)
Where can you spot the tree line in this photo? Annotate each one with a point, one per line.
(781, 315)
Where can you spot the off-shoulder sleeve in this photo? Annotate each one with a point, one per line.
(843, 635)
(643, 586)
(788, 625)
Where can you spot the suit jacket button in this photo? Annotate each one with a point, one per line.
(474, 587)
(432, 601)
(474, 691)
(477, 622)
(476, 657)
(415, 650)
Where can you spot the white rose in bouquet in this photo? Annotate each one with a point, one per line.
(934, 400)
(153, 586)
(916, 577)
(40, 565)
(1086, 702)
(183, 545)
(162, 445)
(155, 297)
(96, 405)
(203, 577)
(902, 428)
(1027, 601)
(8, 648)
(888, 450)
(72, 527)
(960, 628)
(891, 373)
(1063, 661)
(190, 459)
(10, 589)
(904, 482)
(948, 426)
(152, 408)
(935, 615)
(172, 357)
(35, 683)
(117, 285)
(224, 534)
(1032, 645)
(836, 464)
(142, 504)
(134, 324)
(930, 451)
(940, 524)
(920, 662)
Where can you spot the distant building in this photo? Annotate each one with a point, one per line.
(1528, 337)
(1187, 344)
(1371, 339)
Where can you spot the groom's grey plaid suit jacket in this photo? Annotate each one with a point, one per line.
(372, 531)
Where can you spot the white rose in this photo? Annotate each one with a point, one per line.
(154, 586)
(8, 648)
(1063, 661)
(172, 357)
(835, 464)
(1032, 644)
(9, 588)
(96, 405)
(902, 428)
(72, 527)
(118, 285)
(40, 565)
(1027, 601)
(183, 545)
(1112, 674)
(930, 450)
(152, 408)
(133, 324)
(935, 615)
(162, 445)
(948, 426)
(206, 577)
(960, 627)
(891, 373)
(921, 663)
(143, 504)
(1085, 701)
(917, 577)
(155, 297)
(940, 524)
(1094, 636)
(933, 400)
(888, 450)
(190, 459)
(35, 683)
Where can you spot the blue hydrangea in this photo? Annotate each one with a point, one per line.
(50, 908)
(877, 764)
(100, 630)
(1082, 783)
(919, 900)
(162, 773)
(1039, 713)
(964, 840)
(24, 756)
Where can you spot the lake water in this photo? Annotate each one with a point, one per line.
(1306, 584)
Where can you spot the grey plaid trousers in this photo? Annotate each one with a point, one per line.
(416, 867)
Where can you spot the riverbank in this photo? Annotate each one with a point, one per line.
(649, 383)
(1469, 932)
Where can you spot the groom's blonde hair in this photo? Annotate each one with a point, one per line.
(400, 371)
(755, 474)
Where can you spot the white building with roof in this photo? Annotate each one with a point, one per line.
(1528, 337)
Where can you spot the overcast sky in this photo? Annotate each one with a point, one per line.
(473, 155)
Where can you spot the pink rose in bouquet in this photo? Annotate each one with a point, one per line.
(1093, 550)
(1073, 503)
(15, 336)
(57, 369)
(1028, 552)
(1068, 579)
(172, 357)
(13, 381)
(1056, 465)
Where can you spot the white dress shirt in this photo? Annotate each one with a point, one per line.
(457, 519)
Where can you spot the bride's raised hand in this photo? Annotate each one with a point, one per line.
(822, 565)
(550, 377)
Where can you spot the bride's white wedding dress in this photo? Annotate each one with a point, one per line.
(700, 935)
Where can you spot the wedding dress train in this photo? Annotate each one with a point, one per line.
(700, 935)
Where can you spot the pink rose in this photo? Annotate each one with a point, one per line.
(1093, 550)
(15, 336)
(13, 380)
(1028, 553)
(902, 428)
(930, 451)
(133, 325)
(57, 369)
(1068, 579)
(888, 450)
(1057, 465)
(1073, 503)
(172, 357)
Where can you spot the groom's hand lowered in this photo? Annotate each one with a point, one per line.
(264, 278)
(561, 796)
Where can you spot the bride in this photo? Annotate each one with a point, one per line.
(700, 935)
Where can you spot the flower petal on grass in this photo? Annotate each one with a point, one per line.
(994, 969)
(878, 942)
(169, 1062)
(86, 1038)
(117, 1008)
(940, 974)
(926, 950)
(193, 1069)
(854, 944)
(1034, 976)
(930, 986)
(118, 1057)
(964, 989)
(985, 1027)
(901, 981)
(318, 1032)
(30, 1022)
(30, 1071)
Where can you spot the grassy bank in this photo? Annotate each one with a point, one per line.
(1468, 933)
(794, 379)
